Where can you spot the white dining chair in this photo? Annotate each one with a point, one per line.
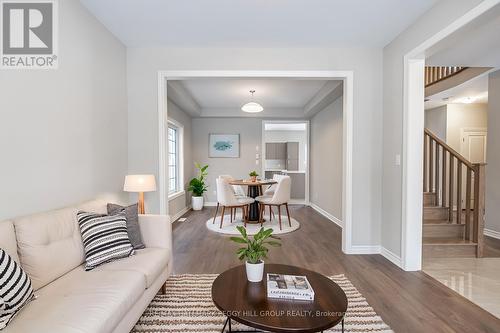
(227, 199)
(237, 189)
(281, 197)
(270, 190)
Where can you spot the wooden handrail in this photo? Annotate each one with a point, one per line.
(435, 74)
(452, 151)
(444, 174)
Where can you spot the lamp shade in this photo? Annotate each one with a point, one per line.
(139, 183)
(252, 107)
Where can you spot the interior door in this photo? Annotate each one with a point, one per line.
(473, 148)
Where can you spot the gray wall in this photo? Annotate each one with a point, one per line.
(326, 159)
(366, 63)
(440, 16)
(435, 121)
(63, 133)
(460, 116)
(175, 113)
(250, 130)
(493, 155)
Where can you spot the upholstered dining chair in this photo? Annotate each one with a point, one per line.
(227, 199)
(270, 190)
(237, 189)
(281, 197)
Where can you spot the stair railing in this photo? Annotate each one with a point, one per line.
(436, 74)
(453, 178)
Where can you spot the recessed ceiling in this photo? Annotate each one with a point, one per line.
(475, 91)
(258, 23)
(270, 93)
(285, 126)
(224, 97)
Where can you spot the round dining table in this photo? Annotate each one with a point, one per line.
(255, 188)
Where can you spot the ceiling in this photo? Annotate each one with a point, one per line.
(223, 97)
(257, 23)
(475, 91)
(475, 45)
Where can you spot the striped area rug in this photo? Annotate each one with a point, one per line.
(187, 307)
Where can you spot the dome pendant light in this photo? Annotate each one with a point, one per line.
(252, 107)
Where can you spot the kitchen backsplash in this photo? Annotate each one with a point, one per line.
(275, 164)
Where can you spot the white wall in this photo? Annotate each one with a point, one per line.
(144, 64)
(250, 130)
(440, 16)
(326, 168)
(435, 121)
(175, 113)
(461, 116)
(493, 155)
(291, 136)
(63, 133)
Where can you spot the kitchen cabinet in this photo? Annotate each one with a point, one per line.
(276, 150)
(292, 156)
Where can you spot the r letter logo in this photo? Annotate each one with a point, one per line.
(29, 34)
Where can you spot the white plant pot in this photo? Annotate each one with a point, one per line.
(255, 272)
(197, 203)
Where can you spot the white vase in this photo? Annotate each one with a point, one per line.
(255, 272)
(197, 203)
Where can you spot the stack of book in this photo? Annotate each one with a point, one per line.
(289, 287)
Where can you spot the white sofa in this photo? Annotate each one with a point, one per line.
(110, 298)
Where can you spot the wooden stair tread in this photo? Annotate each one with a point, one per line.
(443, 223)
(447, 241)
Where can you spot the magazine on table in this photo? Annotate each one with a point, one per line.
(289, 287)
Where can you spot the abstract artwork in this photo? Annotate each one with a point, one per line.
(224, 145)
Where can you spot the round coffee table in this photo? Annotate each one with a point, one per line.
(247, 302)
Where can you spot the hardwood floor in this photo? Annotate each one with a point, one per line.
(407, 301)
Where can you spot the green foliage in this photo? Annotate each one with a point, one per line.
(255, 249)
(197, 185)
(253, 174)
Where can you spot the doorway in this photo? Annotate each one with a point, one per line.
(347, 77)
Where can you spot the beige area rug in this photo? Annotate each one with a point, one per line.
(187, 307)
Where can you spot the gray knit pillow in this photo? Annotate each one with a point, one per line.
(133, 230)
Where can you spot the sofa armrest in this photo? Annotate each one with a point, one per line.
(156, 231)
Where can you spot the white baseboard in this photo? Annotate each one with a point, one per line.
(209, 204)
(326, 214)
(492, 233)
(364, 249)
(176, 216)
(395, 259)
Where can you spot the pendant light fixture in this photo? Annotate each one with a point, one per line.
(252, 107)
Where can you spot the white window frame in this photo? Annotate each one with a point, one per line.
(180, 159)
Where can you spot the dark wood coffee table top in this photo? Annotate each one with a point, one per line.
(248, 304)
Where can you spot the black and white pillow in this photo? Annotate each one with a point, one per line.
(104, 238)
(15, 288)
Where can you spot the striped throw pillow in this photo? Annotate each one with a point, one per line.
(105, 238)
(15, 288)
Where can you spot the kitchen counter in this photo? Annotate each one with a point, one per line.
(283, 171)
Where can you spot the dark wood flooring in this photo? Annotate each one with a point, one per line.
(407, 301)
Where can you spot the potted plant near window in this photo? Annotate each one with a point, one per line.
(197, 186)
(253, 176)
(254, 251)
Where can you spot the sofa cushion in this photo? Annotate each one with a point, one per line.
(15, 288)
(150, 262)
(81, 302)
(104, 238)
(133, 229)
(8, 239)
(49, 244)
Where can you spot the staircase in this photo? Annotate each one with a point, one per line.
(453, 202)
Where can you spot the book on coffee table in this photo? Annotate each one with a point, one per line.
(289, 287)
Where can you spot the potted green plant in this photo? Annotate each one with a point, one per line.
(253, 176)
(197, 186)
(255, 250)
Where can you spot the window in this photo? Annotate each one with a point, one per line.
(174, 136)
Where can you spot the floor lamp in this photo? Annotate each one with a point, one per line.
(140, 184)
